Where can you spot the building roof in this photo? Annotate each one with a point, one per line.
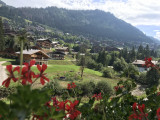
(57, 52)
(142, 62)
(30, 52)
(54, 42)
(61, 48)
(44, 39)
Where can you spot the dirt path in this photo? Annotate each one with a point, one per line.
(140, 90)
(3, 74)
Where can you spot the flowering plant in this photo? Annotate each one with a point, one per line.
(44, 104)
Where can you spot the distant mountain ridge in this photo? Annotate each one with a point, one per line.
(2, 3)
(94, 24)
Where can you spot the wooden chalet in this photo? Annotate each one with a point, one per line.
(55, 44)
(44, 43)
(62, 49)
(57, 55)
(7, 29)
(39, 56)
(140, 65)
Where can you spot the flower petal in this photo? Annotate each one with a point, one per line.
(44, 67)
(42, 81)
(32, 62)
(45, 78)
(39, 67)
(9, 68)
(16, 69)
(5, 81)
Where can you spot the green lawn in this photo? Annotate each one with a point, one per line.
(89, 75)
(6, 59)
(60, 62)
(63, 66)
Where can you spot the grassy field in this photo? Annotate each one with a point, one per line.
(6, 59)
(60, 67)
(89, 75)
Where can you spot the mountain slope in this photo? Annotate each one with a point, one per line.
(2, 3)
(94, 24)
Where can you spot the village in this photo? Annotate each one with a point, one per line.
(62, 64)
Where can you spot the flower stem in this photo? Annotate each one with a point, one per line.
(21, 60)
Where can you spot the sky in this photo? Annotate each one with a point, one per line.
(144, 14)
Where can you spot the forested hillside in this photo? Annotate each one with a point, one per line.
(94, 24)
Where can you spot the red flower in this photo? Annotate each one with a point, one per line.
(140, 114)
(71, 110)
(10, 75)
(158, 93)
(59, 105)
(158, 114)
(48, 104)
(42, 74)
(97, 97)
(71, 86)
(116, 88)
(27, 73)
(148, 62)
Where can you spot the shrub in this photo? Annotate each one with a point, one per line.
(69, 76)
(119, 64)
(152, 77)
(102, 86)
(131, 71)
(87, 88)
(108, 72)
(54, 88)
(5, 92)
(142, 78)
(91, 64)
(99, 67)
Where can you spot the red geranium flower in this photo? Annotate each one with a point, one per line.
(71, 86)
(59, 105)
(42, 74)
(27, 73)
(140, 114)
(116, 88)
(97, 96)
(10, 75)
(148, 62)
(71, 110)
(158, 114)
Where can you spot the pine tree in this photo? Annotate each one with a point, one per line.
(133, 54)
(140, 49)
(2, 42)
(147, 51)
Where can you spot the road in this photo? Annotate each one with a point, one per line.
(3, 74)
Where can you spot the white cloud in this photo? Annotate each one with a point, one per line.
(157, 34)
(136, 12)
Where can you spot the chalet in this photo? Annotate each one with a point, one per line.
(62, 49)
(140, 64)
(8, 30)
(44, 43)
(55, 44)
(37, 55)
(36, 48)
(57, 55)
